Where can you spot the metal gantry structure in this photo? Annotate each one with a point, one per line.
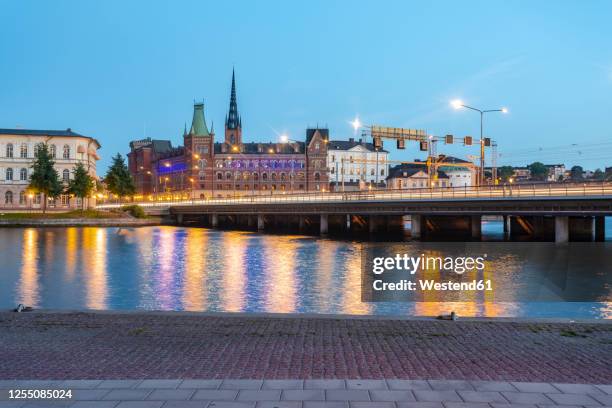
(428, 143)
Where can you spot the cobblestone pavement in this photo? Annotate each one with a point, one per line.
(145, 345)
(311, 394)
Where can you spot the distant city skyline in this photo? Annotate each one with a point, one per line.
(119, 72)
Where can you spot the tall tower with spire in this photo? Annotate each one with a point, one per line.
(233, 122)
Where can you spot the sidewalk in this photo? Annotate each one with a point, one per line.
(112, 345)
(312, 394)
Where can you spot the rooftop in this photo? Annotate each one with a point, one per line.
(44, 132)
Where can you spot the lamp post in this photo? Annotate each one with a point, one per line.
(457, 104)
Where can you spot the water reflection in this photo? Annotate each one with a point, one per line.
(28, 286)
(168, 268)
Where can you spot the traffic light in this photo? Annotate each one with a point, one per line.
(424, 146)
(467, 140)
(378, 143)
(487, 141)
(401, 144)
(448, 139)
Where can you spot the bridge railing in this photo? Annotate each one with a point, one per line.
(508, 191)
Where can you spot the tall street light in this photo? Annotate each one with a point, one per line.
(458, 104)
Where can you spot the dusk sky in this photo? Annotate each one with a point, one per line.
(123, 70)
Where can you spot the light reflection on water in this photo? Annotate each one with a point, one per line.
(171, 268)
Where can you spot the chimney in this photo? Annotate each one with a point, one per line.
(351, 140)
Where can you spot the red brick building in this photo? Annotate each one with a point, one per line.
(205, 168)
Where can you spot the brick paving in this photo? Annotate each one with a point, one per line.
(311, 394)
(199, 348)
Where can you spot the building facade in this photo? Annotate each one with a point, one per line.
(460, 173)
(204, 168)
(356, 163)
(17, 154)
(410, 176)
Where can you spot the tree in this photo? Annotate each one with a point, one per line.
(82, 184)
(118, 178)
(576, 173)
(599, 175)
(45, 179)
(538, 171)
(505, 172)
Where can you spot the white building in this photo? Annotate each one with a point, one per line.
(356, 163)
(556, 172)
(17, 149)
(461, 173)
(409, 176)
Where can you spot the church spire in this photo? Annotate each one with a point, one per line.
(232, 120)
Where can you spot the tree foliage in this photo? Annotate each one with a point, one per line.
(538, 171)
(505, 172)
(576, 173)
(118, 178)
(82, 184)
(45, 179)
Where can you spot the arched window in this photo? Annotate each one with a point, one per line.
(283, 176)
(228, 175)
(219, 176)
(22, 197)
(52, 151)
(264, 176)
(66, 175)
(9, 150)
(8, 197)
(37, 147)
(9, 174)
(23, 174)
(273, 176)
(372, 172)
(255, 176)
(317, 177)
(66, 154)
(23, 151)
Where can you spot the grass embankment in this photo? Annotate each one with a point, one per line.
(89, 214)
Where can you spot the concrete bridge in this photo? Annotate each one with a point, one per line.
(548, 212)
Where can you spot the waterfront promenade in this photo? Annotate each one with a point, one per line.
(184, 345)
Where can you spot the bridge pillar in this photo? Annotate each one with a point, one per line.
(179, 219)
(323, 225)
(214, 220)
(348, 222)
(600, 228)
(260, 222)
(301, 222)
(507, 223)
(372, 221)
(561, 229)
(416, 221)
(250, 221)
(476, 223)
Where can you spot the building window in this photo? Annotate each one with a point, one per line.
(37, 147)
(66, 175)
(37, 198)
(372, 172)
(317, 177)
(219, 176)
(23, 174)
(382, 172)
(66, 154)
(228, 175)
(65, 199)
(9, 150)
(22, 197)
(8, 197)
(52, 151)
(264, 176)
(9, 174)
(23, 151)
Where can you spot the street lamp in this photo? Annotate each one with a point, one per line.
(458, 104)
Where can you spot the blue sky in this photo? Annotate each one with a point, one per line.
(120, 70)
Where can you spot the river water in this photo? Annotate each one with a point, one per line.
(196, 269)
